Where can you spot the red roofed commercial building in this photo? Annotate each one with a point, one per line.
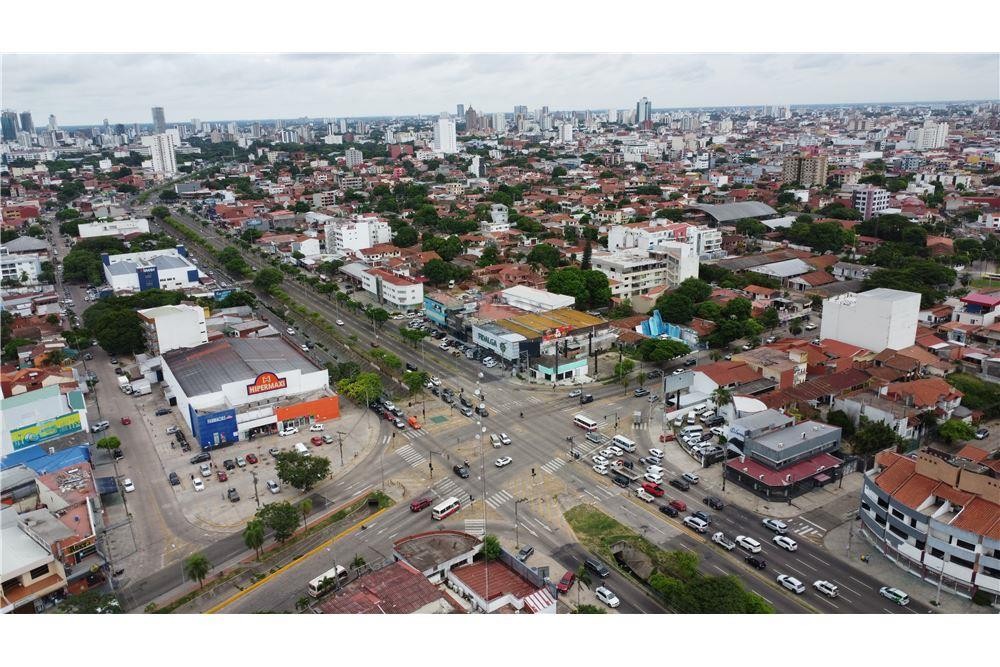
(937, 516)
(395, 589)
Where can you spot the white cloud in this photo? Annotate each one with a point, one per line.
(84, 89)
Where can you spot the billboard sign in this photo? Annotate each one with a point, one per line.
(46, 430)
(266, 382)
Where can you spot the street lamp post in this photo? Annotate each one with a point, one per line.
(340, 443)
(255, 496)
(517, 525)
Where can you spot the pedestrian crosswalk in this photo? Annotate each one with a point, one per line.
(498, 499)
(807, 529)
(410, 455)
(414, 434)
(447, 487)
(552, 466)
(475, 526)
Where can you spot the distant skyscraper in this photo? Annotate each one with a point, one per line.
(444, 134)
(195, 125)
(53, 125)
(354, 157)
(566, 132)
(806, 170)
(520, 110)
(643, 112)
(161, 150)
(500, 123)
(10, 126)
(343, 126)
(27, 124)
(460, 110)
(159, 121)
(471, 120)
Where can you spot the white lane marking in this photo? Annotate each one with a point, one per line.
(724, 573)
(539, 522)
(763, 596)
(827, 600)
(850, 589)
(888, 611)
(802, 518)
(595, 497)
(805, 564)
(393, 535)
(818, 558)
(528, 528)
(798, 572)
(863, 584)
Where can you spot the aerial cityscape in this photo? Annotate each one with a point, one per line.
(491, 354)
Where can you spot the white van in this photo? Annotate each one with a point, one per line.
(623, 442)
(692, 429)
(701, 407)
(695, 523)
(301, 449)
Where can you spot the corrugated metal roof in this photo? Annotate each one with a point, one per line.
(736, 210)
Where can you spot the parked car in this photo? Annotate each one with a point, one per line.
(241, 462)
(174, 479)
(288, 431)
(525, 552)
(172, 429)
(206, 470)
(198, 484)
(606, 596)
(202, 457)
(316, 440)
(128, 485)
(221, 474)
(640, 392)
(566, 582)
(505, 439)
(229, 464)
(252, 458)
(600, 469)
(162, 411)
(316, 428)
(273, 451)
(272, 486)
(233, 495)
(982, 434)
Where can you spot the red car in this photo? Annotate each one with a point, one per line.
(419, 504)
(126, 421)
(222, 475)
(566, 582)
(653, 489)
(252, 458)
(678, 505)
(316, 440)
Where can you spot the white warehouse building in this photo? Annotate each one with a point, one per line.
(168, 269)
(169, 328)
(875, 320)
(91, 230)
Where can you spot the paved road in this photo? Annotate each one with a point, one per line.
(540, 446)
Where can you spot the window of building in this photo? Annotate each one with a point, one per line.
(969, 546)
(39, 572)
(937, 553)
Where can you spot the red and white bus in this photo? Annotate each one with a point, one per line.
(446, 509)
(585, 422)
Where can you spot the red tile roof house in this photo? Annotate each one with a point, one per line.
(495, 586)
(395, 589)
(926, 394)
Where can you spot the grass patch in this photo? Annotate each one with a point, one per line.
(675, 578)
(984, 282)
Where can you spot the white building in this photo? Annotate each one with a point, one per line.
(646, 235)
(153, 269)
(566, 133)
(35, 417)
(91, 230)
(535, 300)
(161, 151)
(875, 320)
(349, 235)
(498, 222)
(173, 327)
(400, 292)
(23, 268)
(354, 157)
(635, 272)
(444, 135)
(870, 201)
(500, 123)
(928, 137)
(707, 241)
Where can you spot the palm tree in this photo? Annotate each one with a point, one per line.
(305, 507)
(928, 421)
(197, 567)
(253, 536)
(583, 579)
(721, 396)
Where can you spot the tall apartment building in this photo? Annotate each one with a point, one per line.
(444, 135)
(161, 152)
(27, 124)
(804, 169)
(634, 272)
(167, 328)
(10, 125)
(460, 110)
(875, 320)
(643, 111)
(159, 121)
(870, 200)
(500, 123)
(349, 235)
(566, 133)
(354, 157)
(929, 136)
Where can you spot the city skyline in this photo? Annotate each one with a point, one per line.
(83, 90)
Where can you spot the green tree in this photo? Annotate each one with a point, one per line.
(253, 536)
(358, 562)
(91, 601)
(841, 419)
(546, 255)
(722, 397)
(67, 214)
(415, 380)
(302, 472)
(362, 389)
(623, 368)
(405, 236)
(620, 310)
(197, 567)
(109, 443)
(305, 507)
(169, 196)
(159, 212)
(695, 289)
(769, 318)
(301, 207)
(874, 436)
(587, 252)
(955, 430)
(588, 609)
(281, 517)
(491, 547)
(267, 279)
(738, 309)
(489, 257)
(675, 308)
(378, 315)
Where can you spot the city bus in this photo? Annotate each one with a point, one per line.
(325, 581)
(585, 422)
(446, 509)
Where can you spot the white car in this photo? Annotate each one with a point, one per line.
(288, 431)
(716, 430)
(502, 461)
(290, 331)
(653, 477)
(445, 346)
(786, 543)
(340, 323)
(748, 543)
(679, 421)
(495, 439)
(723, 541)
(273, 487)
(128, 485)
(616, 451)
(656, 470)
(608, 453)
(778, 527)
(826, 588)
(658, 453)
(172, 429)
(316, 428)
(390, 406)
(599, 460)
(791, 583)
(575, 393)
(198, 484)
(436, 381)
(601, 469)
(504, 438)
(304, 347)
(206, 470)
(691, 477)
(606, 596)
(894, 594)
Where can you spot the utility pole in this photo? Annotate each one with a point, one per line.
(255, 496)
(340, 443)
(517, 533)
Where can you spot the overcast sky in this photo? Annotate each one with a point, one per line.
(86, 88)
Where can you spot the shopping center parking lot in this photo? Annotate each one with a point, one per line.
(211, 509)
